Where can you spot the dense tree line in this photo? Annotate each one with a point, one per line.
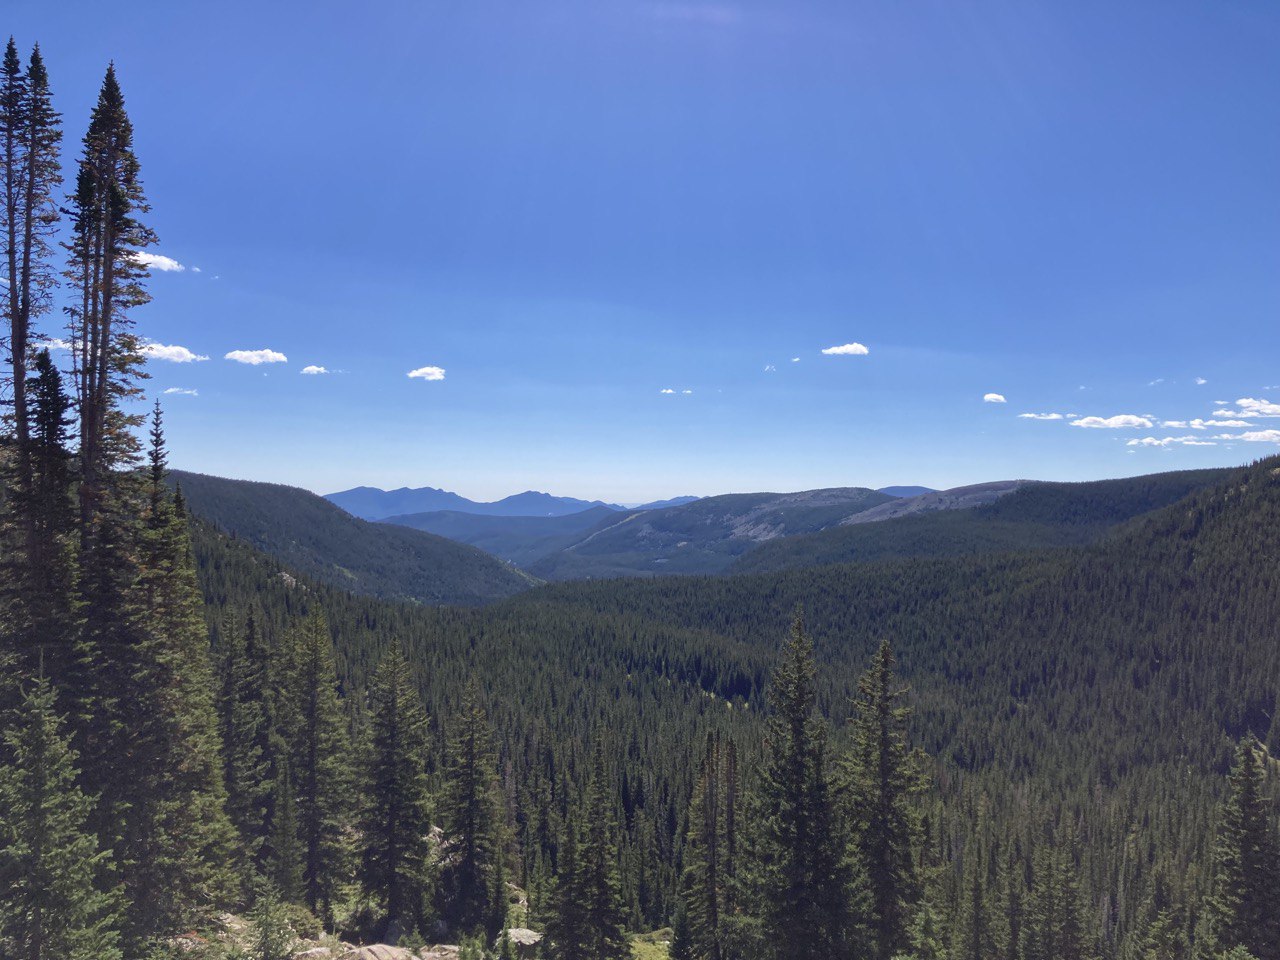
(1081, 767)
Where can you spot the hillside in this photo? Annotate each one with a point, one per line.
(520, 540)
(314, 537)
(371, 503)
(1103, 685)
(700, 537)
(1014, 515)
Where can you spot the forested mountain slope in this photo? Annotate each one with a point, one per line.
(1100, 686)
(700, 537)
(314, 537)
(1022, 515)
(520, 540)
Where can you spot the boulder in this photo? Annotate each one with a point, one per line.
(379, 951)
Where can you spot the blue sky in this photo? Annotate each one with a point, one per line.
(572, 207)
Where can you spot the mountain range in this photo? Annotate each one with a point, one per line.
(372, 503)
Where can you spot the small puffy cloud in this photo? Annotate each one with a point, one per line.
(847, 350)
(1156, 382)
(1039, 416)
(156, 261)
(770, 368)
(797, 360)
(181, 391)
(1121, 421)
(171, 352)
(666, 390)
(993, 398)
(1251, 407)
(427, 373)
(686, 392)
(57, 343)
(256, 357)
(312, 370)
(1201, 381)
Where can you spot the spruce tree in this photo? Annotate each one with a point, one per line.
(709, 882)
(30, 138)
(395, 823)
(322, 783)
(473, 834)
(880, 782)
(974, 935)
(106, 278)
(246, 739)
(806, 889)
(1244, 907)
(51, 907)
(588, 922)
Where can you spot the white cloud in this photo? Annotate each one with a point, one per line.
(1252, 436)
(770, 368)
(686, 392)
(1040, 416)
(1203, 424)
(255, 357)
(993, 398)
(797, 360)
(183, 391)
(427, 373)
(57, 343)
(1251, 407)
(1191, 441)
(1201, 381)
(156, 261)
(847, 350)
(313, 370)
(666, 390)
(171, 352)
(1120, 421)
(1156, 382)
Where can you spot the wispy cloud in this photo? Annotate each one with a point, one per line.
(1252, 436)
(157, 261)
(427, 373)
(847, 350)
(1039, 416)
(1201, 381)
(1156, 382)
(993, 398)
(770, 368)
(666, 390)
(1251, 407)
(171, 352)
(1121, 421)
(797, 360)
(312, 370)
(1192, 441)
(183, 391)
(1202, 424)
(686, 392)
(256, 357)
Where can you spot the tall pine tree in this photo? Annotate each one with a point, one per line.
(880, 783)
(395, 823)
(1244, 907)
(471, 888)
(50, 865)
(806, 889)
